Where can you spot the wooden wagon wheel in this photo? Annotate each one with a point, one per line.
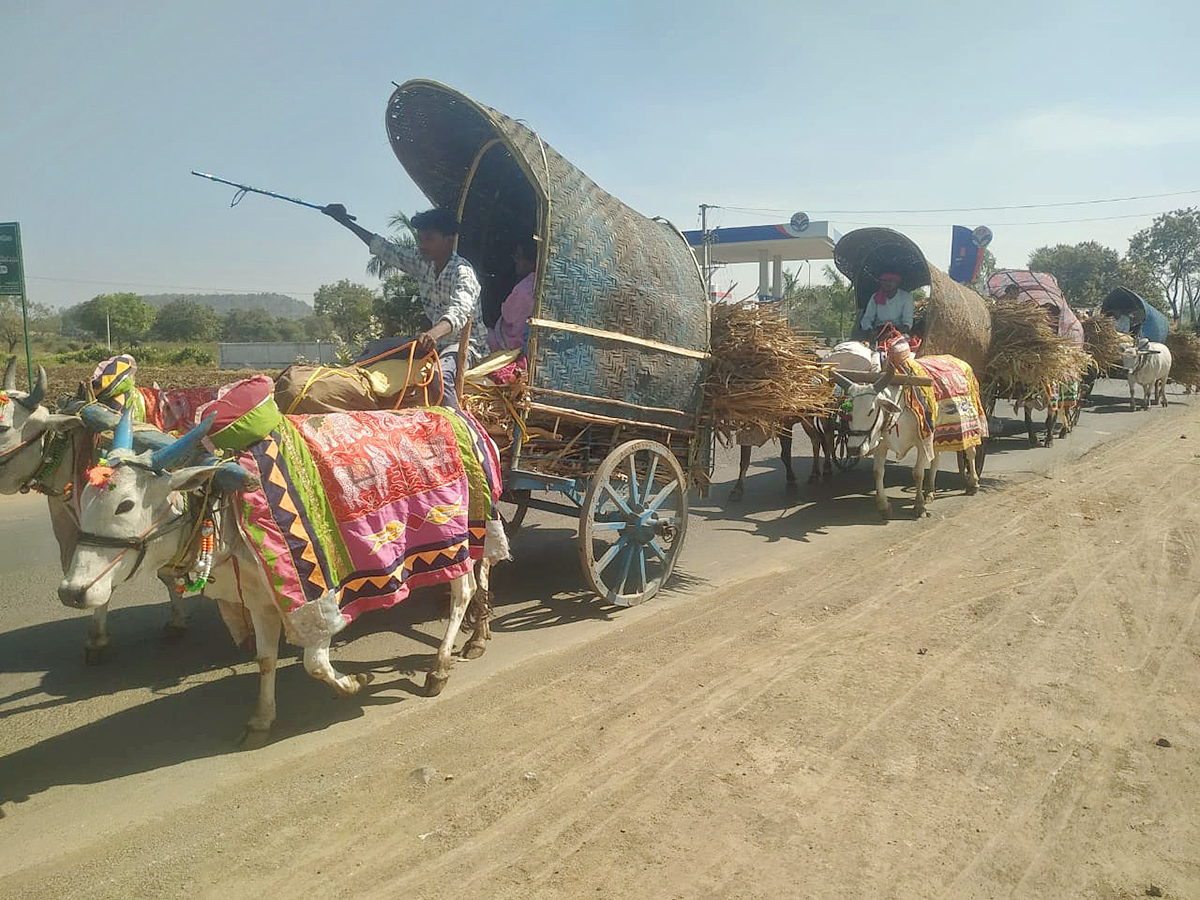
(633, 522)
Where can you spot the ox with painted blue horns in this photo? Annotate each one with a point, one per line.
(306, 522)
(931, 405)
(40, 451)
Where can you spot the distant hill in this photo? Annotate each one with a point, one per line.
(279, 305)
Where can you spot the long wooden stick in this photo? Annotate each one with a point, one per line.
(574, 415)
(460, 374)
(617, 337)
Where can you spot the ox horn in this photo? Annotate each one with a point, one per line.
(177, 452)
(39, 391)
(10, 375)
(842, 380)
(123, 433)
(884, 380)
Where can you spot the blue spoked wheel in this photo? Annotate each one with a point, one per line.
(633, 522)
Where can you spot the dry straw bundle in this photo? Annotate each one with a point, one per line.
(1026, 353)
(495, 407)
(762, 372)
(1185, 359)
(1103, 341)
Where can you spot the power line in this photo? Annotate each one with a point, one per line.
(992, 224)
(168, 287)
(764, 209)
(1144, 215)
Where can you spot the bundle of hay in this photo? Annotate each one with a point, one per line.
(1185, 359)
(1103, 341)
(762, 372)
(495, 407)
(1027, 354)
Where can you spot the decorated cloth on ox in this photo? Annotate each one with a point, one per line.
(177, 407)
(358, 508)
(951, 410)
(1062, 397)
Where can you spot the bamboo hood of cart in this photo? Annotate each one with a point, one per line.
(621, 327)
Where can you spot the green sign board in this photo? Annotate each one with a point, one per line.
(12, 272)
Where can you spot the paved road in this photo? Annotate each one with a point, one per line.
(146, 731)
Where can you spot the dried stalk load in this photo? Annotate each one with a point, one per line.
(1185, 358)
(1027, 354)
(1103, 341)
(762, 372)
(496, 407)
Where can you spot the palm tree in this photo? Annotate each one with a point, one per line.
(403, 234)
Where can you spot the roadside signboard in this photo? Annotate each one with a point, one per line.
(12, 279)
(12, 272)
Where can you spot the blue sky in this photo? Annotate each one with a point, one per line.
(777, 105)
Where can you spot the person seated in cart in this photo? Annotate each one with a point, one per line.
(446, 285)
(510, 329)
(889, 305)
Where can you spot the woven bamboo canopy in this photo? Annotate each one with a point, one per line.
(956, 318)
(621, 318)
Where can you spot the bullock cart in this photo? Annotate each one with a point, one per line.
(604, 423)
(1037, 360)
(953, 319)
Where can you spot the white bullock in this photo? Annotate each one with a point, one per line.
(882, 423)
(37, 452)
(1148, 364)
(138, 516)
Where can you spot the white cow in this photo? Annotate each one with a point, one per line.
(1148, 365)
(37, 452)
(881, 423)
(137, 516)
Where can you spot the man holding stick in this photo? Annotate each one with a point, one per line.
(447, 287)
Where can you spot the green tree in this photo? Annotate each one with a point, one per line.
(349, 307)
(127, 316)
(398, 310)
(187, 320)
(12, 323)
(825, 308)
(1170, 249)
(1085, 271)
(403, 234)
(316, 328)
(249, 325)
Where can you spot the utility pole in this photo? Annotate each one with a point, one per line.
(107, 329)
(704, 241)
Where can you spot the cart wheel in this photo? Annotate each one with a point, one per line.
(512, 507)
(633, 522)
(842, 457)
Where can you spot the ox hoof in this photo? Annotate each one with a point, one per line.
(94, 656)
(792, 488)
(434, 682)
(473, 649)
(972, 490)
(885, 515)
(173, 633)
(253, 738)
(363, 678)
(735, 495)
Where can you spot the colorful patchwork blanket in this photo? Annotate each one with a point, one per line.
(174, 409)
(951, 410)
(358, 508)
(1063, 397)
